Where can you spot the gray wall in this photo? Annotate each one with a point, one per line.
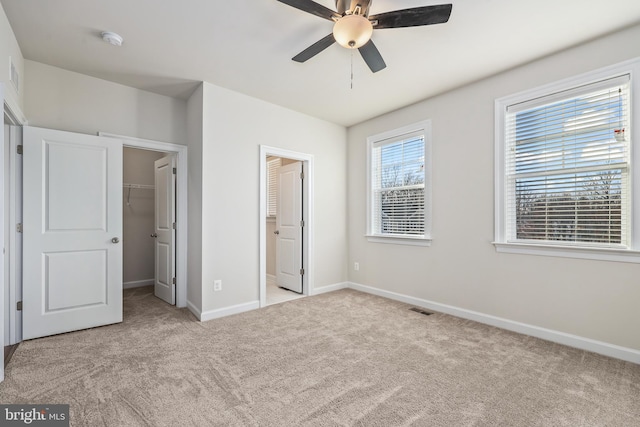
(64, 100)
(234, 127)
(592, 299)
(194, 140)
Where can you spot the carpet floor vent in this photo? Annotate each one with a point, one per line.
(421, 311)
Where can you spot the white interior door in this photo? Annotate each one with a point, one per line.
(165, 233)
(289, 227)
(72, 226)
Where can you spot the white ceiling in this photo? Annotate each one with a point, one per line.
(247, 46)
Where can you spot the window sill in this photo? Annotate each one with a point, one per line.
(600, 254)
(396, 240)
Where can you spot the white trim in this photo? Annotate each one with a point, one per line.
(424, 128)
(308, 254)
(630, 67)
(14, 112)
(182, 206)
(252, 305)
(598, 254)
(193, 309)
(138, 283)
(228, 311)
(397, 240)
(271, 277)
(330, 288)
(15, 238)
(611, 350)
(2, 225)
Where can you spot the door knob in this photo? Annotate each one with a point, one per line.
(276, 232)
(115, 240)
(154, 235)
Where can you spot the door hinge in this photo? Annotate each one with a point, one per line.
(174, 225)
(175, 171)
(302, 223)
(302, 271)
(301, 175)
(19, 149)
(19, 228)
(173, 281)
(19, 306)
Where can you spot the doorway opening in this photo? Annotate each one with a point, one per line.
(148, 218)
(179, 155)
(284, 229)
(286, 225)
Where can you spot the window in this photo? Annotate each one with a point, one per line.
(565, 174)
(272, 185)
(400, 185)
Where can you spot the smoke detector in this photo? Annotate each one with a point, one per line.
(112, 38)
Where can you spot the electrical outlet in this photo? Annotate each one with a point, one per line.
(356, 266)
(217, 285)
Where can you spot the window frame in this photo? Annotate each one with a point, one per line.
(564, 249)
(424, 128)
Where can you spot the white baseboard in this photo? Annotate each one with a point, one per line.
(329, 288)
(137, 283)
(611, 350)
(228, 311)
(271, 276)
(193, 309)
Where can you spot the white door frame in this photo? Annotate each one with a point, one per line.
(307, 215)
(2, 223)
(16, 118)
(180, 151)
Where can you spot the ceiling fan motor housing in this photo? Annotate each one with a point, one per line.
(348, 6)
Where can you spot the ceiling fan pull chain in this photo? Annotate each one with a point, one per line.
(352, 68)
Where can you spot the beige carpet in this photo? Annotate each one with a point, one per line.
(338, 359)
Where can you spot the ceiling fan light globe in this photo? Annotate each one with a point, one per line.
(352, 31)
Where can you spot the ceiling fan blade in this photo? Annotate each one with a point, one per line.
(372, 56)
(312, 8)
(413, 17)
(315, 48)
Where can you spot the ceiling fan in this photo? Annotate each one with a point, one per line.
(353, 26)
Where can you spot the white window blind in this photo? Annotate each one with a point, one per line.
(567, 163)
(398, 186)
(272, 185)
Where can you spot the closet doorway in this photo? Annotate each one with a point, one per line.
(149, 221)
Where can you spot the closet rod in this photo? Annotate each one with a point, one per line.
(140, 186)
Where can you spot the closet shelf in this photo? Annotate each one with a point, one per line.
(139, 186)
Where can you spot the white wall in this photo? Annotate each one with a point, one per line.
(9, 49)
(592, 299)
(138, 219)
(64, 100)
(235, 126)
